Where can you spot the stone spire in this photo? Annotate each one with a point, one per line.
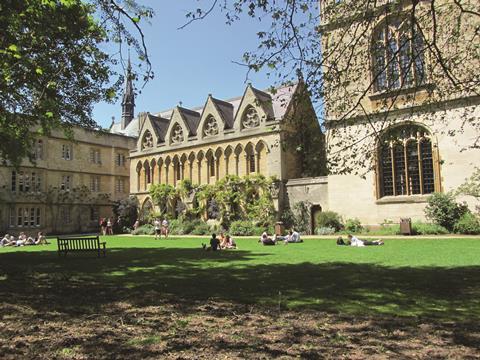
(128, 101)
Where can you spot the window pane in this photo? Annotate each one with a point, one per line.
(427, 166)
(252, 163)
(413, 168)
(386, 170)
(379, 62)
(392, 59)
(405, 60)
(399, 166)
(14, 180)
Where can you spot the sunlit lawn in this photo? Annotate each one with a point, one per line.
(437, 278)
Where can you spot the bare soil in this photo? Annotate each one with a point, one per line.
(174, 329)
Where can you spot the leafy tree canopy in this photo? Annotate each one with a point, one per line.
(53, 67)
(329, 44)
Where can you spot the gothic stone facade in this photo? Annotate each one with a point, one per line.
(423, 126)
(71, 185)
(254, 133)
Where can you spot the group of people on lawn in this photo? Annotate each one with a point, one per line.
(23, 240)
(292, 237)
(224, 242)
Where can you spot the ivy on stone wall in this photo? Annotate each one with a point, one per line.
(229, 199)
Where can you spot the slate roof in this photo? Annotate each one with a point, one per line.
(192, 119)
(277, 104)
(160, 125)
(226, 112)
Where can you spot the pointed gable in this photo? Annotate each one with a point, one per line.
(191, 119)
(225, 111)
(254, 101)
(160, 126)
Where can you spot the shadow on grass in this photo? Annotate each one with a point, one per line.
(149, 276)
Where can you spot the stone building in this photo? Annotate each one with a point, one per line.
(258, 132)
(72, 183)
(409, 131)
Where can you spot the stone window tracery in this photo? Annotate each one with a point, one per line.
(251, 119)
(147, 141)
(211, 126)
(398, 55)
(177, 134)
(406, 165)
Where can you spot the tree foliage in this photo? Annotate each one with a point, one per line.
(330, 48)
(53, 66)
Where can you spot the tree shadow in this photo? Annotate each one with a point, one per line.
(145, 276)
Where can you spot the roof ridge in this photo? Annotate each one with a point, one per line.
(188, 110)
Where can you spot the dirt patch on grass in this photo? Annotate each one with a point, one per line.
(173, 329)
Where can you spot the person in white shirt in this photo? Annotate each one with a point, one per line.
(293, 237)
(165, 227)
(354, 241)
(158, 228)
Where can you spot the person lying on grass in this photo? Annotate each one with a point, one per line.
(293, 237)
(214, 244)
(354, 241)
(267, 240)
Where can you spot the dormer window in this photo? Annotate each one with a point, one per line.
(147, 141)
(398, 55)
(250, 118)
(177, 134)
(211, 126)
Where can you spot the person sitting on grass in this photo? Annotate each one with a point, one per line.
(354, 241)
(293, 237)
(6, 240)
(267, 240)
(228, 243)
(22, 239)
(41, 239)
(214, 244)
(30, 241)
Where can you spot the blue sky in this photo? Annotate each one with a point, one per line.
(193, 62)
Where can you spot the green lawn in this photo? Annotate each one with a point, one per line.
(431, 278)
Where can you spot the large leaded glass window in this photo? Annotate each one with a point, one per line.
(398, 55)
(406, 162)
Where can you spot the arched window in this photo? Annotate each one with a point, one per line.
(398, 55)
(406, 162)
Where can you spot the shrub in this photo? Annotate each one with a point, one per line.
(443, 210)
(419, 228)
(146, 229)
(176, 227)
(242, 228)
(353, 226)
(329, 219)
(301, 214)
(325, 231)
(201, 228)
(467, 224)
(287, 218)
(387, 230)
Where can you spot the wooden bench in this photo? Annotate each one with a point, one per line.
(81, 244)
